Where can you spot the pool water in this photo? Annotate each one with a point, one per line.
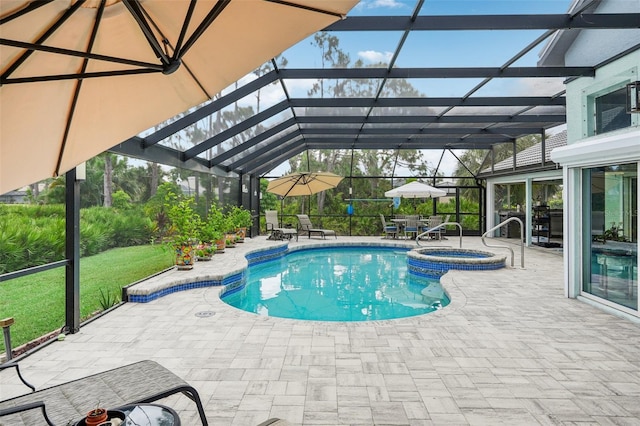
(338, 284)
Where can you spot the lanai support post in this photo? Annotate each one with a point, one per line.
(72, 253)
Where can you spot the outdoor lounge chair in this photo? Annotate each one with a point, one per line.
(277, 232)
(307, 226)
(67, 403)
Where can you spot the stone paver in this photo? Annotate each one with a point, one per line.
(510, 349)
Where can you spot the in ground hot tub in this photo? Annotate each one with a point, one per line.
(436, 261)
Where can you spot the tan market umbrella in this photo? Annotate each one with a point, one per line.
(307, 183)
(80, 76)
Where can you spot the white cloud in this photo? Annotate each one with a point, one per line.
(299, 87)
(542, 86)
(375, 4)
(374, 57)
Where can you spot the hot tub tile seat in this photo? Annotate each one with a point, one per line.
(435, 262)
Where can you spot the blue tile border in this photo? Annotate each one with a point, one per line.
(266, 255)
(231, 283)
(226, 281)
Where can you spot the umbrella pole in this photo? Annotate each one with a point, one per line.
(281, 211)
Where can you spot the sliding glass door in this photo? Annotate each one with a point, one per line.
(610, 218)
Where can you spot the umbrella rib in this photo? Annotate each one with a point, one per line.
(206, 22)
(77, 53)
(19, 61)
(309, 8)
(78, 86)
(183, 31)
(135, 10)
(77, 76)
(175, 58)
(29, 8)
(293, 185)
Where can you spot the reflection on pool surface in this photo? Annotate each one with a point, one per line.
(338, 284)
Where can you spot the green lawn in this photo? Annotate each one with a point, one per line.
(37, 302)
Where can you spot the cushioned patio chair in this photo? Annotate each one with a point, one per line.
(388, 229)
(432, 229)
(412, 226)
(276, 231)
(67, 403)
(307, 226)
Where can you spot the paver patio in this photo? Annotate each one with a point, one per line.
(509, 349)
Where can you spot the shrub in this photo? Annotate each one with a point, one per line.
(35, 235)
(30, 236)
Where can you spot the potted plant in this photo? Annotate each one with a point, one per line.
(96, 416)
(214, 228)
(241, 219)
(205, 251)
(185, 224)
(230, 233)
(210, 233)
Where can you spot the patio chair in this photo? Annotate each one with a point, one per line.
(412, 225)
(67, 403)
(307, 226)
(443, 230)
(277, 232)
(434, 221)
(388, 229)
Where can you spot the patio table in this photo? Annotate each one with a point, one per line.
(402, 221)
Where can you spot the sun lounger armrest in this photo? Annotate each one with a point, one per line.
(27, 407)
(11, 364)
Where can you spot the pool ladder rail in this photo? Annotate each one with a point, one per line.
(500, 225)
(440, 226)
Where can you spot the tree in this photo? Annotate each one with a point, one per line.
(473, 160)
(361, 162)
(108, 180)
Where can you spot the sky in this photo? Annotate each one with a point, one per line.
(438, 49)
(428, 49)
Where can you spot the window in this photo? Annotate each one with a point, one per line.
(611, 111)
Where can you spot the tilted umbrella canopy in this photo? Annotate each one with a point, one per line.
(303, 183)
(77, 77)
(415, 189)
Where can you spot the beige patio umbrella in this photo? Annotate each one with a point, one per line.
(80, 76)
(306, 183)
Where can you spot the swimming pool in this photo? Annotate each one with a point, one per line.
(338, 284)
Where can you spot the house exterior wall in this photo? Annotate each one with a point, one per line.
(585, 153)
(595, 46)
(580, 93)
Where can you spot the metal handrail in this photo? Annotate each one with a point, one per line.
(442, 225)
(500, 225)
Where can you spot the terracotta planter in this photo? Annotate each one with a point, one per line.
(220, 245)
(95, 417)
(106, 419)
(242, 234)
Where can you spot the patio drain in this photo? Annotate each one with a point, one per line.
(205, 314)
